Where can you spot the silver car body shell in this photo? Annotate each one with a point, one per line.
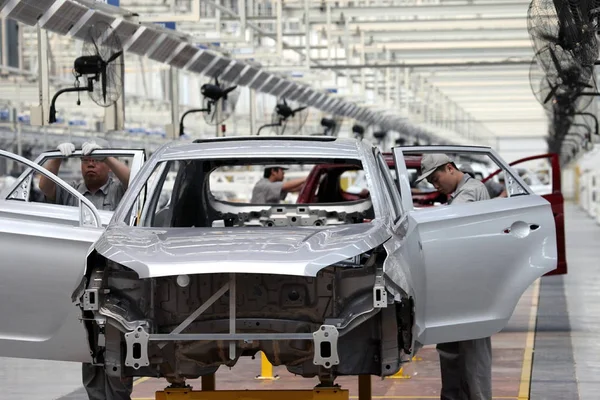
(154, 252)
(434, 255)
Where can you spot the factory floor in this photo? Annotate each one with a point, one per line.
(549, 349)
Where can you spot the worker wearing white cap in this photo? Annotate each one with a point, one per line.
(466, 366)
(271, 188)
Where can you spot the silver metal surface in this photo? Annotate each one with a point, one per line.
(325, 345)
(228, 336)
(201, 309)
(137, 345)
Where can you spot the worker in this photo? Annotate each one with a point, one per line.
(105, 193)
(494, 188)
(466, 366)
(272, 189)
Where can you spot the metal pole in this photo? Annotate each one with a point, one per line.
(278, 15)
(362, 61)
(174, 96)
(252, 111)
(398, 90)
(307, 31)
(328, 30)
(407, 91)
(43, 74)
(232, 304)
(242, 14)
(4, 41)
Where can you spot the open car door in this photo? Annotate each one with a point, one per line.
(43, 255)
(470, 263)
(43, 247)
(551, 190)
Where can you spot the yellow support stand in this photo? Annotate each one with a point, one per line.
(315, 394)
(266, 369)
(400, 374)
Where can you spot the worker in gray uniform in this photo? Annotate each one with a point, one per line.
(466, 366)
(494, 188)
(105, 193)
(271, 189)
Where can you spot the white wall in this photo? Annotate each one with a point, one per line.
(514, 148)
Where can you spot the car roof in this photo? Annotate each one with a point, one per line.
(264, 146)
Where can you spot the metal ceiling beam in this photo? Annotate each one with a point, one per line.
(424, 11)
(410, 25)
(426, 64)
(443, 35)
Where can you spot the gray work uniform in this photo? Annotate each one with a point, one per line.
(97, 384)
(494, 188)
(106, 198)
(267, 192)
(466, 366)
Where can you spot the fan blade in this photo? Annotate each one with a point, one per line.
(115, 56)
(104, 84)
(551, 94)
(548, 38)
(300, 109)
(216, 81)
(556, 62)
(285, 102)
(229, 90)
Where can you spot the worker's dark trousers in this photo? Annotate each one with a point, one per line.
(100, 386)
(466, 369)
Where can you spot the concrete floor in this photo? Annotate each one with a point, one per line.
(566, 359)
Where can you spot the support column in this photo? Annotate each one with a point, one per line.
(174, 97)
(209, 383)
(252, 95)
(114, 116)
(407, 91)
(364, 387)
(398, 90)
(40, 113)
(307, 32)
(363, 62)
(328, 30)
(242, 14)
(279, 19)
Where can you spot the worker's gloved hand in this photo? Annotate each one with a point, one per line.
(66, 149)
(88, 147)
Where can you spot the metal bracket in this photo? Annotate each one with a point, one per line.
(325, 346)
(137, 348)
(90, 300)
(379, 293)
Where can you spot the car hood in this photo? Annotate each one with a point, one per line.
(303, 251)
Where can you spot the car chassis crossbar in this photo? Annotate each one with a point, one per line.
(325, 338)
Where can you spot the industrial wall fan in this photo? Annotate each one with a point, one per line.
(100, 64)
(219, 101)
(287, 118)
(331, 126)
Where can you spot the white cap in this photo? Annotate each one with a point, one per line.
(430, 162)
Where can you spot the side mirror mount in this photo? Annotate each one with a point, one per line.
(88, 216)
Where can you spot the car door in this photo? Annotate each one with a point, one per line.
(23, 188)
(555, 197)
(43, 259)
(470, 263)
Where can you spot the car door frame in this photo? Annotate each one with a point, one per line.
(83, 202)
(430, 325)
(139, 157)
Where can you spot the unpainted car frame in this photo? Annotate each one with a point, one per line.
(404, 279)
